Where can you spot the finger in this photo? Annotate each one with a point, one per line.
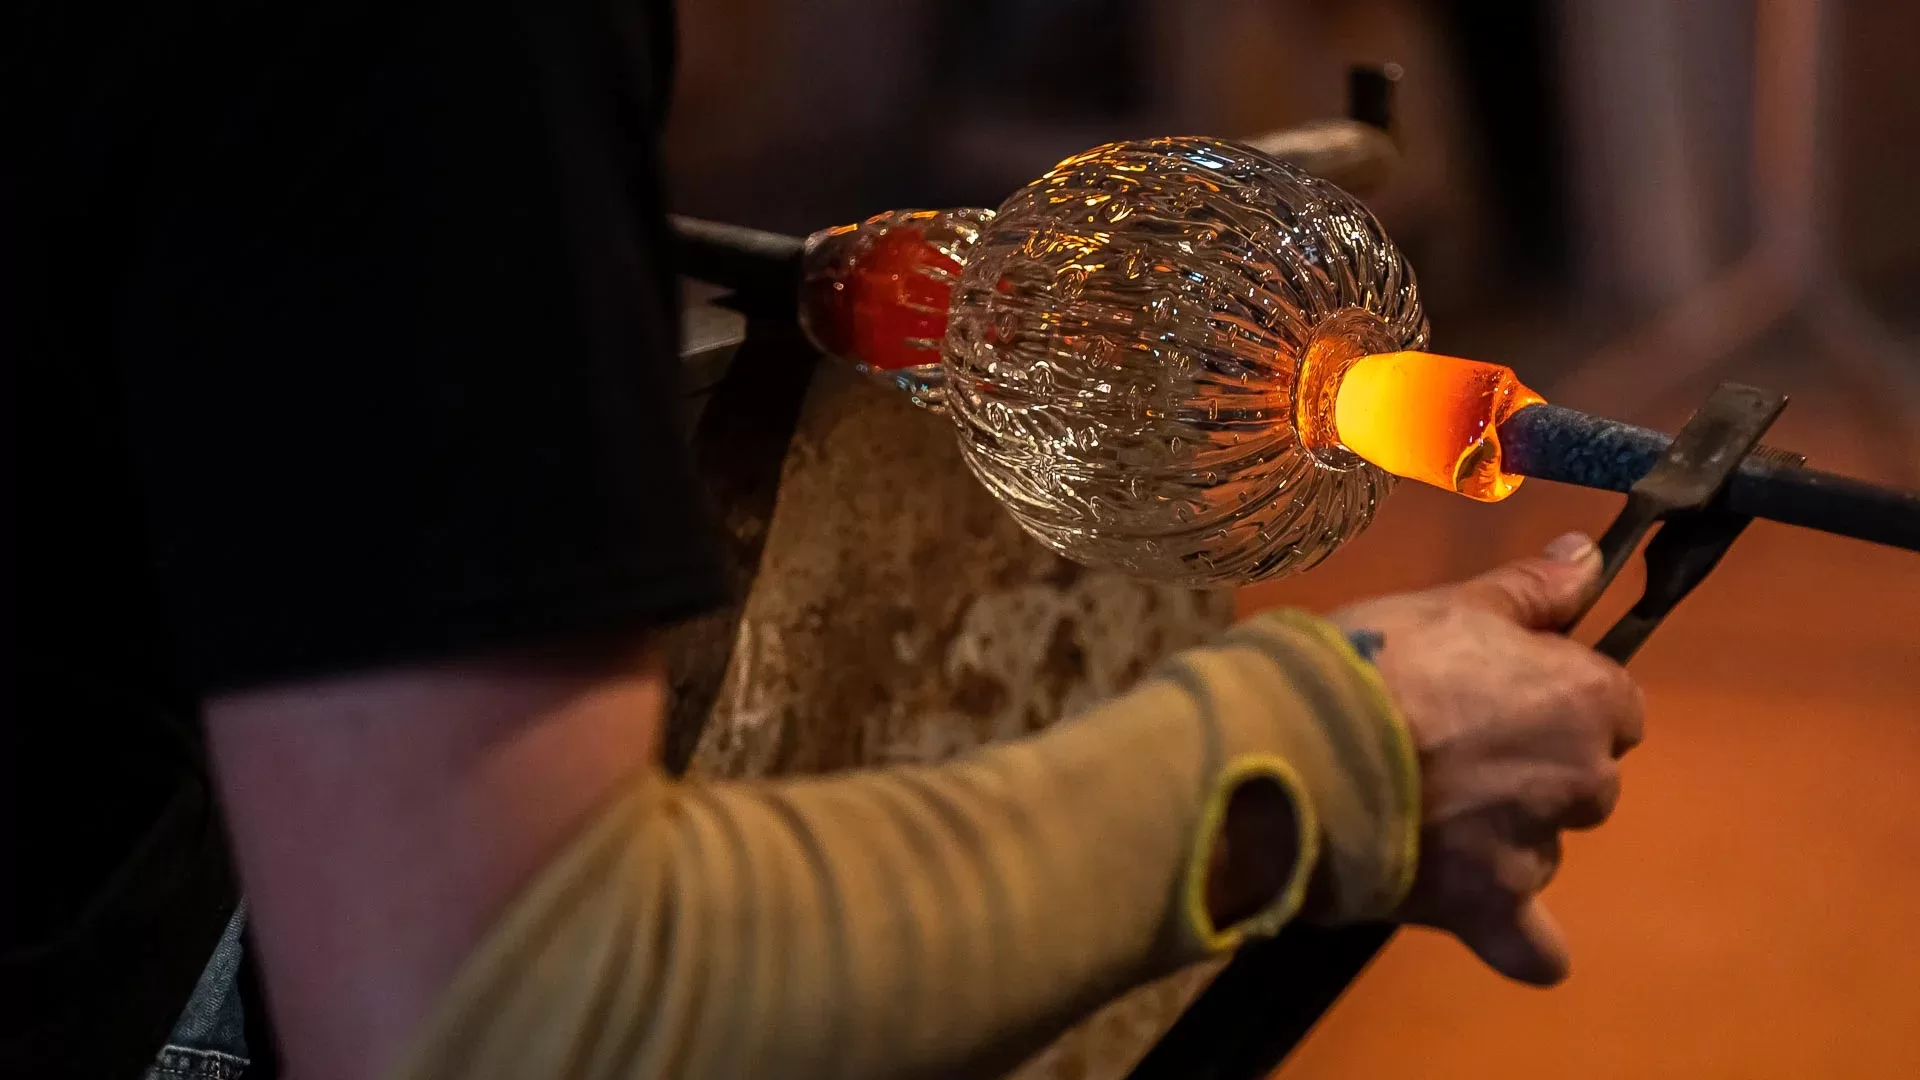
(1526, 946)
(1608, 707)
(1549, 854)
(1593, 802)
(1527, 871)
(1632, 725)
(1614, 701)
(1541, 593)
(1527, 863)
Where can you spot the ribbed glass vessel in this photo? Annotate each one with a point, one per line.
(1124, 356)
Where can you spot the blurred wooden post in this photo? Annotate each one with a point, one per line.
(1788, 278)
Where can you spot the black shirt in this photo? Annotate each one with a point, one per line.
(332, 336)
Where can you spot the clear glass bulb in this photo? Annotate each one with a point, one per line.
(1124, 351)
(1179, 358)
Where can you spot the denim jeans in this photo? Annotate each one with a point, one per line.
(210, 1040)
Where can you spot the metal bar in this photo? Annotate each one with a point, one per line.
(1567, 446)
(761, 269)
(1359, 153)
(1262, 1004)
(710, 337)
(1833, 504)
(1350, 154)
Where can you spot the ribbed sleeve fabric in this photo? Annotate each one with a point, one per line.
(935, 921)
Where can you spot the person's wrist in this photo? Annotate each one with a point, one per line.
(1364, 777)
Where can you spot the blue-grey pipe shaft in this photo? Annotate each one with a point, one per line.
(1571, 447)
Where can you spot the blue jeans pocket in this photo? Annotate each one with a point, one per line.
(210, 1040)
(183, 1063)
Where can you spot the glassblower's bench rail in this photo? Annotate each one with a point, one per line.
(1701, 487)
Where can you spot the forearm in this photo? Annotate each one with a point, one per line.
(384, 821)
(932, 921)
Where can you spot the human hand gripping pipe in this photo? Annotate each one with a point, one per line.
(1185, 360)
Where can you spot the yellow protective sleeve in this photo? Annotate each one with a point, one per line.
(934, 921)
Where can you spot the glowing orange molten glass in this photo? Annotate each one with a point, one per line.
(1431, 418)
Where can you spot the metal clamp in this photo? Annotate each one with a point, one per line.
(1685, 490)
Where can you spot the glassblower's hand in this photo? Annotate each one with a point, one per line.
(1518, 732)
